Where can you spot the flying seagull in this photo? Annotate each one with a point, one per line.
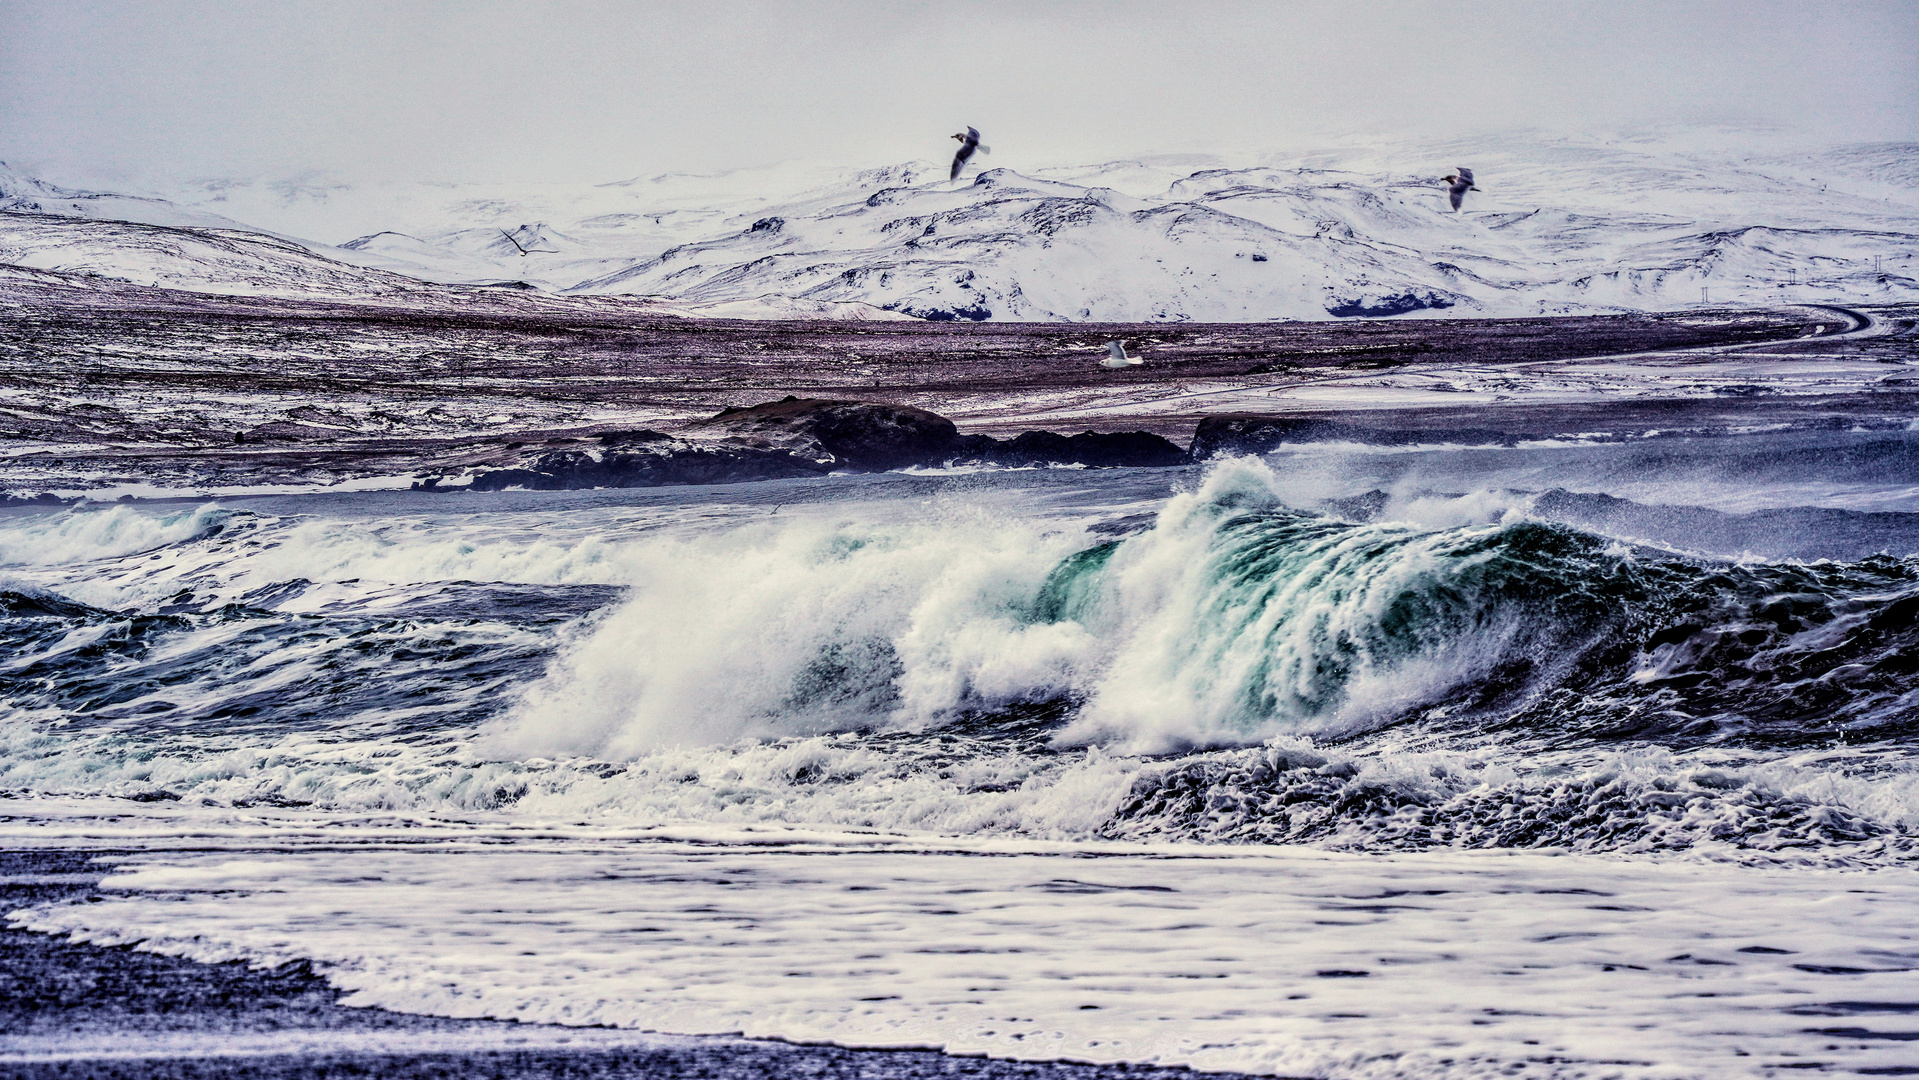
(969, 142)
(1117, 357)
(524, 250)
(1462, 182)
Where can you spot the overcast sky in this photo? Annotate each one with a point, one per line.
(92, 93)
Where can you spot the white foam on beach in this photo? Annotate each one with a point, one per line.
(1273, 962)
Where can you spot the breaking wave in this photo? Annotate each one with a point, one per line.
(1231, 619)
(1228, 669)
(85, 534)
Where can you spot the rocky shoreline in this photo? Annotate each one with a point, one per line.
(802, 437)
(798, 437)
(117, 390)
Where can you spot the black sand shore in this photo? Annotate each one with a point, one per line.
(72, 1011)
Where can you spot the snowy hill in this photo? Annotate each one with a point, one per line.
(22, 194)
(1561, 227)
(49, 232)
(228, 261)
(233, 262)
(1564, 231)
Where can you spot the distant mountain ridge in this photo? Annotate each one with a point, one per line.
(1561, 227)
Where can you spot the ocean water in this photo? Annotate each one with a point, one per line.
(1568, 760)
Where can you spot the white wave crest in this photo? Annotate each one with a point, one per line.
(85, 533)
(801, 627)
(1191, 633)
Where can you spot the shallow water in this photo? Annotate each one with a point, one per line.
(768, 758)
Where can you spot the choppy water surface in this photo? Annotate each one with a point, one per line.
(1688, 670)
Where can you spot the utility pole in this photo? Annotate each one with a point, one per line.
(1792, 277)
(1704, 298)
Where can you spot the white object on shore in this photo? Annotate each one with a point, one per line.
(1117, 356)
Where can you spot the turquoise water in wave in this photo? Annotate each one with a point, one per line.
(1571, 761)
(1162, 643)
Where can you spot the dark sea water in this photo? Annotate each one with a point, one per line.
(887, 760)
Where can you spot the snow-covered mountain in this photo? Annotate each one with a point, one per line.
(238, 262)
(23, 194)
(49, 232)
(1558, 230)
(160, 242)
(1561, 226)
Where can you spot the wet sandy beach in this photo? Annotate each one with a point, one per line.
(69, 1010)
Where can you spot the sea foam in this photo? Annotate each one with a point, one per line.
(1232, 619)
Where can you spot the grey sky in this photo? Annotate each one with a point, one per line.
(91, 92)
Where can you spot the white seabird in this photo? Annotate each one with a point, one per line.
(1462, 182)
(1117, 357)
(969, 142)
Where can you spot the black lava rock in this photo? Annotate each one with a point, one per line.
(798, 437)
(849, 435)
(1137, 449)
(45, 498)
(1246, 433)
(658, 464)
(1387, 306)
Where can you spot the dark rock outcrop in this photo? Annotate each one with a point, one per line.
(45, 498)
(661, 461)
(853, 435)
(1119, 449)
(804, 437)
(1387, 306)
(1247, 433)
(979, 312)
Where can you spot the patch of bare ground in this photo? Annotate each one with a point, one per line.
(105, 384)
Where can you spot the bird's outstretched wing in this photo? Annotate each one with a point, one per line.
(524, 250)
(1458, 191)
(1466, 175)
(967, 146)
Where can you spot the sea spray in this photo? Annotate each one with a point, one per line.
(1441, 676)
(94, 532)
(807, 626)
(1230, 620)
(1236, 618)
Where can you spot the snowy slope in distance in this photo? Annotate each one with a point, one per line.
(1561, 229)
(233, 262)
(1562, 226)
(51, 233)
(225, 261)
(164, 243)
(23, 194)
